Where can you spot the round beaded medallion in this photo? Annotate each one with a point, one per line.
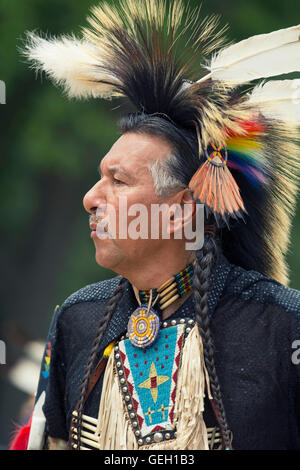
(143, 327)
(217, 156)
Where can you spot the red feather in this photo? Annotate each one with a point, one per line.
(251, 127)
(21, 437)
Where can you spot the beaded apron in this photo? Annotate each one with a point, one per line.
(147, 380)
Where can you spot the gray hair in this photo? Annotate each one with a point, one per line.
(164, 182)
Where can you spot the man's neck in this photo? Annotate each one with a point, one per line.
(160, 279)
(155, 273)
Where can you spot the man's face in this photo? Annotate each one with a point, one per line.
(125, 174)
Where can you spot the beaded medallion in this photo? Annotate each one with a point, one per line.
(217, 156)
(143, 327)
(144, 323)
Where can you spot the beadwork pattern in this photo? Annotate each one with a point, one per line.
(143, 327)
(217, 156)
(183, 283)
(148, 379)
(47, 359)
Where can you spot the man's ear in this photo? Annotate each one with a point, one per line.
(183, 197)
(187, 198)
(181, 218)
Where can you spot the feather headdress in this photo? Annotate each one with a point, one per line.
(151, 52)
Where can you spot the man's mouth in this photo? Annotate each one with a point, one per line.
(93, 227)
(100, 229)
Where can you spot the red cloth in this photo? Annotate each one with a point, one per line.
(21, 436)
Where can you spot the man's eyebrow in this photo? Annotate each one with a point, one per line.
(114, 169)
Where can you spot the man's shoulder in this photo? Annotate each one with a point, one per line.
(253, 286)
(80, 308)
(98, 291)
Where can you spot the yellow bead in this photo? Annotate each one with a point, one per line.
(108, 349)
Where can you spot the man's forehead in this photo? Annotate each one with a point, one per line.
(135, 151)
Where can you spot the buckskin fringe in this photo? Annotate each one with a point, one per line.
(113, 421)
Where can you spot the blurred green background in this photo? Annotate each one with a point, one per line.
(50, 149)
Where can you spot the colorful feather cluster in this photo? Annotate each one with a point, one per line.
(214, 186)
(213, 183)
(153, 53)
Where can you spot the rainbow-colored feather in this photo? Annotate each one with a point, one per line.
(245, 153)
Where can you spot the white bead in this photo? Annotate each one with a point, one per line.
(158, 437)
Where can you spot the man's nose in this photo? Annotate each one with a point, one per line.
(93, 199)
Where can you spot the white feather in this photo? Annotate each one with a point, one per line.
(70, 62)
(278, 99)
(261, 56)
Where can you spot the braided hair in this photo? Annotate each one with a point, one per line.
(206, 259)
(103, 324)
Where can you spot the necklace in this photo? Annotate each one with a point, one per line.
(144, 323)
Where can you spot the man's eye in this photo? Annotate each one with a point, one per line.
(116, 181)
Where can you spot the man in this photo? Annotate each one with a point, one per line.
(185, 349)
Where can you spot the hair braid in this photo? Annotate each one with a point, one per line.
(205, 261)
(104, 320)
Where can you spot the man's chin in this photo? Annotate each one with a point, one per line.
(103, 261)
(106, 259)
